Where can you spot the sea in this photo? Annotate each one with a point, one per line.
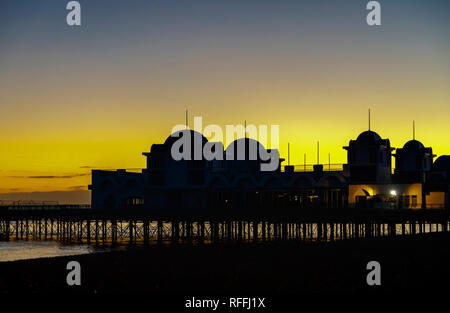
(24, 250)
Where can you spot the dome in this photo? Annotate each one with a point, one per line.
(368, 137)
(197, 142)
(250, 145)
(442, 163)
(413, 145)
(195, 137)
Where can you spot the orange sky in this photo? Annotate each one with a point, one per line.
(98, 96)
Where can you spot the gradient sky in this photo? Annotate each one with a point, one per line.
(97, 95)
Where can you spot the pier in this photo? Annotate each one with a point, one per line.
(84, 225)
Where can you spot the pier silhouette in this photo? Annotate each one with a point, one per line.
(232, 200)
(144, 228)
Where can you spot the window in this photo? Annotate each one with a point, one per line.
(414, 201)
(134, 202)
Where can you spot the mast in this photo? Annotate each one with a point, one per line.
(289, 154)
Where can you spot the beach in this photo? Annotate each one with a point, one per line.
(413, 263)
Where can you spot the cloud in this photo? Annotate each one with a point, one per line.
(52, 176)
(95, 167)
(81, 187)
(108, 168)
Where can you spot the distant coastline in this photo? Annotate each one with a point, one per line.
(62, 197)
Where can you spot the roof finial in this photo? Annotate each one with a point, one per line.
(318, 153)
(414, 130)
(245, 128)
(369, 119)
(304, 161)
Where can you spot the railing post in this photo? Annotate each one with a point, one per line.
(88, 231)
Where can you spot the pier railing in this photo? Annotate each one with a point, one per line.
(333, 167)
(31, 205)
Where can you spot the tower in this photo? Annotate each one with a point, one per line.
(369, 158)
(413, 160)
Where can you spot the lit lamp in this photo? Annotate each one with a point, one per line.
(393, 193)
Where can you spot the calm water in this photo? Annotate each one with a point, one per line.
(21, 250)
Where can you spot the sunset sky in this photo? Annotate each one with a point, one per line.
(100, 94)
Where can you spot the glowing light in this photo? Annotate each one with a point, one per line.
(393, 192)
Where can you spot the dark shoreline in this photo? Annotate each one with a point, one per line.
(413, 263)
